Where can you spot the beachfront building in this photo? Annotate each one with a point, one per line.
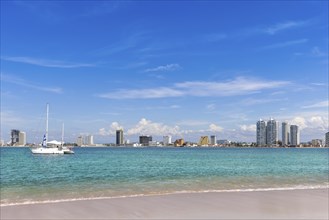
(119, 137)
(21, 139)
(145, 140)
(80, 141)
(285, 134)
(316, 143)
(166, 140)
(14, 134)
(261, 133)
(327, 139)
(90, 140)
(294, 134)
(204, 141)
(272, 133)
(179, 142)
(213, 140)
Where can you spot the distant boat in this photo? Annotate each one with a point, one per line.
(51, 147)
(67, 150)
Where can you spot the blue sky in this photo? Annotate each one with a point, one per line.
(180, 68)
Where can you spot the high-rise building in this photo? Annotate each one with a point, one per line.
(14, 136)
(294, 135)
(327, 139)
(204, 141)
(272, 132)
(145, 140)
(166, 140)
(261, 133)
(119, 137)
(90, 140)
(80, 141)
(213, 140)
(285, 134)
(22, 139)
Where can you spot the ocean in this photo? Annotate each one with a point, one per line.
(108, 172)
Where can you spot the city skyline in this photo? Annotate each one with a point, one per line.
(184, 69)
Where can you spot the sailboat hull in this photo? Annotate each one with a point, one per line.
(45, 150)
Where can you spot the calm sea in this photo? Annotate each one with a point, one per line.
(118, 172)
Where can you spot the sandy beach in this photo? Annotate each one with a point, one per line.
(277, 204)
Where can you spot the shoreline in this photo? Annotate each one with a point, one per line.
(284, 204)
(166, 194)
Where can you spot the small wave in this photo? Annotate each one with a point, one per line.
(166, 193)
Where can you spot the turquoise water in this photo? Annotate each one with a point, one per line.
(114, 172)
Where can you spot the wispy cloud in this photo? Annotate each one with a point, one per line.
(318, 104)
(317, 52)
(133, 42)
(162, 92)
(46, 63)
(237, 86)
(29, 84)
(284, 26)
(286, 44)
(165, 68)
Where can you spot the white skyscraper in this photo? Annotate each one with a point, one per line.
(90, 140)
(285, 134)
(261, 133)
(294, 134)
(272, 132)
(166, 140)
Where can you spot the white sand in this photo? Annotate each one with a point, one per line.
(286, 204)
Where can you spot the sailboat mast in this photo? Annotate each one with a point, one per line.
(47, 123)
(62, 134)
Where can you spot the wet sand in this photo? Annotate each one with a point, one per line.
(281, 204)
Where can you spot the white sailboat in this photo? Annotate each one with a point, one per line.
(67, 150)
(52, 147)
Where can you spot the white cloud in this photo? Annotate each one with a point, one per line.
(211, 107)
(28, 84)
(237, 86)
(161, 92)
(215, 128)
(316, 52)
(46, 63)
(286, 44)
(318, 105)
(112, 131)
(147, 127)
(300, 121)
(168, 67)
(284, 26)
(315, 122)
(250, 128)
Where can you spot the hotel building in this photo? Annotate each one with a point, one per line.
(213, 140)
(261, 133)
(285, 134)
(294, 133)
(14, 134)
(166, 140)
(272, 132)
(327, 139)
(119, 137)
(90, 140)
(22, 139)
(145, 140)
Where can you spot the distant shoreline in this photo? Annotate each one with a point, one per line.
(104, 146)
